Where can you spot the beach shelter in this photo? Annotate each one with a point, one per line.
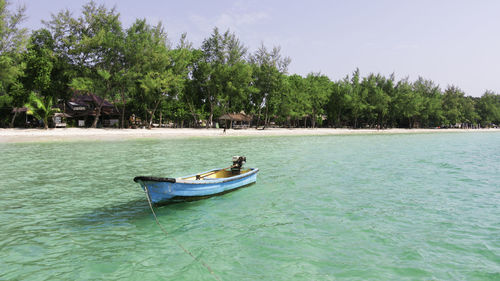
(236, 120)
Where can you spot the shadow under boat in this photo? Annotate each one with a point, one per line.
(138, 209)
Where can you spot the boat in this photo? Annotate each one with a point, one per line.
(213, 182)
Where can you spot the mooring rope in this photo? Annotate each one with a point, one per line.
(175, 240)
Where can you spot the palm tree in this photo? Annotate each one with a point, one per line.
(41, 108)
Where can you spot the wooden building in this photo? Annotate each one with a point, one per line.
(82, 109)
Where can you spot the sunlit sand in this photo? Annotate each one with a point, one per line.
(78, 134)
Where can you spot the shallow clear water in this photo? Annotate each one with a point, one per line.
(400, 207)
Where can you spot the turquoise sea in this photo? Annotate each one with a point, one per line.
(354, 207)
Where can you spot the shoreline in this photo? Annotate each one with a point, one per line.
(87, 134)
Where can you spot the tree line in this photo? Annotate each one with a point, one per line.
(142, 73)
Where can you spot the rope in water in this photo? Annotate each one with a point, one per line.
(175, 240)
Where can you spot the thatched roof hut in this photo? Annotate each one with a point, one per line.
(236, 120)
(239, 117)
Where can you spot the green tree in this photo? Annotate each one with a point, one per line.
(453, 105)
(16, 97)
(189, 99)
(294, 99)
(122, 95)
(268, 71)
(338, 102)
(65, 33)
(93, 44)
(408, 103)
(158, 77)
(356, 98)
(183, 59)
(13, 40)
(41, 108)
(431, 112)
(488, 108)
(318, 89)
(39, 62)
(238, 87)
(157, 86)
(470, 114)
(99, 84)
(221, 76)
(194, 91)
(209, 72)
(139, 46)
(238, 80)
(377, 99)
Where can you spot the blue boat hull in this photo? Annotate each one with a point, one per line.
(181, 189)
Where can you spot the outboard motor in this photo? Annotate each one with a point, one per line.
(238, 162)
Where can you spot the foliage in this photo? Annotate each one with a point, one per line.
(138, 70)
(269, 82)
(41, 108)
(92, 44)
(318, 88)
(221, 76)
(13, 40)
(39, 60)
(488, 107)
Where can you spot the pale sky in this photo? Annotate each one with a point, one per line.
(449, 42)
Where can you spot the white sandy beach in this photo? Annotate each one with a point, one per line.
(79, 134)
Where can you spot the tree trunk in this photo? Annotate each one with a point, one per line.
(97, 115)
(13, 119)
(195, 117)
(193, 112)
(123, 117)
(258, 118)
(265, 119)
(313, 119)
(210, 118)
(153, 114)
(46, 123)
(123, 111)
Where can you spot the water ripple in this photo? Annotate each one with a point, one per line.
(381, 207)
